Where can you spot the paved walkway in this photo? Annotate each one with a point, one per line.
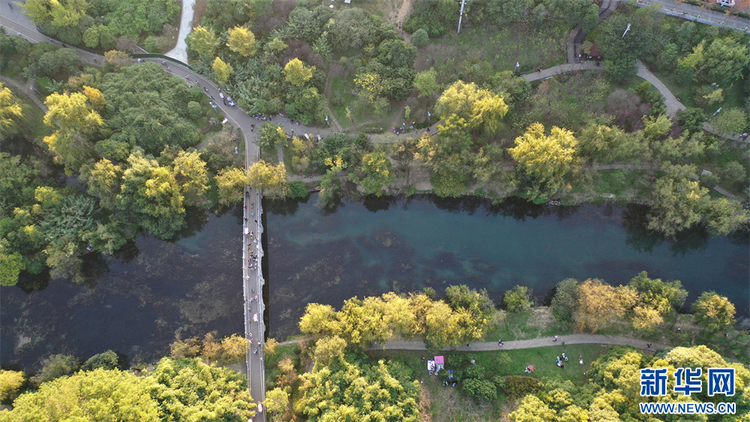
(673, 105)
(528, 344)
(179, 52)
(699, 14)
(26, 90)
(562, 68)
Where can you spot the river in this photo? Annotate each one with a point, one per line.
(383, 244)
(156, 291)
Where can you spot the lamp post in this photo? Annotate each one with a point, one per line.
(626, 31)
(460, 16)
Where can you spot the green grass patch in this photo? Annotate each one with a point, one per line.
(535, 323)
(618, 182)
(450, 404)
(460, 56)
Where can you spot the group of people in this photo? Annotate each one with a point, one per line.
(403, 128)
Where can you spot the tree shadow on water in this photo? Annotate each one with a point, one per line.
(374, 203)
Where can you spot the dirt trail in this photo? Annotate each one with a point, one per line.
(403, 11)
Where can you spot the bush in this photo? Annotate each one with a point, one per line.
(733, 172)
(471, 372)
(565, 300)
(194, 110)
(420, 38)
(518, 386)
(448, 183)
(480, 389)
(56, 366)
(107, 360)
(517, 299)
(297, 190)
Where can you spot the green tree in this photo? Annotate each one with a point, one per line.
(713, 311)
(91, 37)
(151, 195)
(55, 366)
(241, 40)
(96, 395)
(296, 73)
(420, 38)
(731, 121)
(271, 135)
(518, 299)
(271, 180)
(480, 389)
(426, 82)
(277, 403)
(203, 41)
(723, 61)
(376, 173)
(564, 302)
(147, 109)
(676, 201)
(691, 119)
(544, 159)
(277, 44)
(222, 70)
(106, 360)
(231, 183)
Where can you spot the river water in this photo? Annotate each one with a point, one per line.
(156, 291)
(136, 304)
(383, 244)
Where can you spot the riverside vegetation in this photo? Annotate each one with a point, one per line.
(348, 367)
(188, 386)
(497, 135)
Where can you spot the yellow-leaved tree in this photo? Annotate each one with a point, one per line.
(268, 178)
(241, 40)
(296, 73)
(222, 70)
(544, 160)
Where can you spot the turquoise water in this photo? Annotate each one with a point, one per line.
(427, 242)
(154, 292)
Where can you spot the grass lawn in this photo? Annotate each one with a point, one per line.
(450, 404)
(733, 95)
(535, 323)
(618, 182)
(456, 55)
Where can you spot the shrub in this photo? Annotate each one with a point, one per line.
(420, 38)
(297, 190)
(519, 386)
(480, 389)
(517, 299)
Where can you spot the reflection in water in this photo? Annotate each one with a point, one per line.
(142, 299)
(404, 245)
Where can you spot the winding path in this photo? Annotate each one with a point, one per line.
(179, 52)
